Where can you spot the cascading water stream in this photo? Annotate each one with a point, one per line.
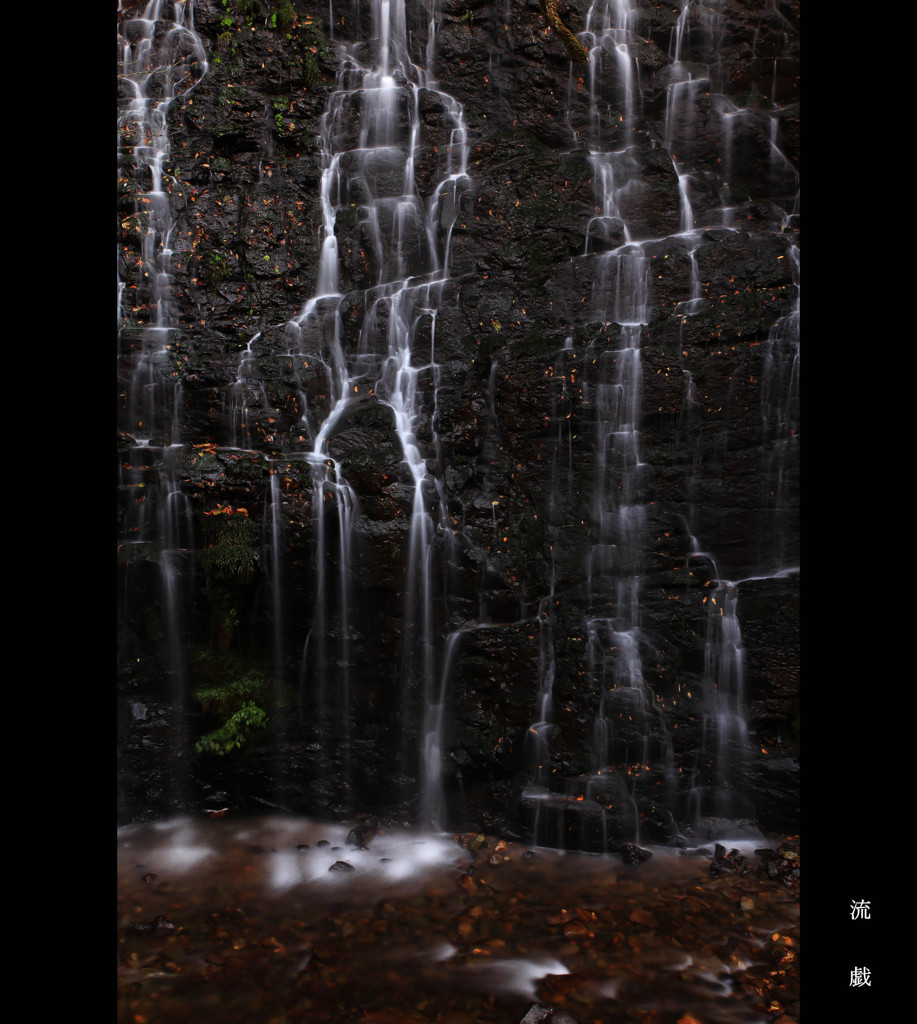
(613, 570)
(162, 60)
(620, 301)
(628, 733)
(432, 799)
(780, 422)
(361, 367)
(373, 202)
(723, 749)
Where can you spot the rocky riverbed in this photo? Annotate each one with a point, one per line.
(282, 919)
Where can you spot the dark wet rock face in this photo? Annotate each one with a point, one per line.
(249, 587)
(158, 927)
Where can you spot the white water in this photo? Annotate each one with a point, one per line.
(373, 202)
(628, 730)
(372, 198)
(161, 60)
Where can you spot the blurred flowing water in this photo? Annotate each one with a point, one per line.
(375, 200)
(283, 918)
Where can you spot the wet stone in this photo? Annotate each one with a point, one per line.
(644, 917)
(632, 854)
(361, 836)
(725, 863)
(782, 864)
(576, 930)
(158, 926)
(536, 1014)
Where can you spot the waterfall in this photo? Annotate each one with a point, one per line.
(403, 463)
(156, 67)
(723, 749)
(634, 773)
(161, 59)
(613, 562)
(374, 203)
(780, 426)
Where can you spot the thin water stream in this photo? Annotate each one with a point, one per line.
(161, 60)
(633, 752)
(374, 201)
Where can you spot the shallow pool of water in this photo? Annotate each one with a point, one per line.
(284, 920)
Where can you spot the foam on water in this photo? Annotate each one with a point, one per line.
(391, 858)
(288, 852)
(516, 976)
(175, 844)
